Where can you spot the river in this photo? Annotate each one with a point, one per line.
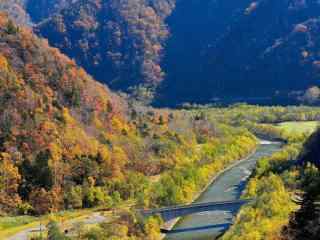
(227, 187)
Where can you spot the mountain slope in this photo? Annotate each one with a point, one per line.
(42, 9)
(235, 50)
(16, 10)
(51, 111)
(262, 51)
(26, 12)
(118, 42)
(67, 141)
(249, 49)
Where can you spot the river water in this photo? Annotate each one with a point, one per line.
(227, 187)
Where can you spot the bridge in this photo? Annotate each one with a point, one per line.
(170, 213)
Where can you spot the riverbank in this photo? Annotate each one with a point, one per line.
(173, 223)
(272, 186)
(225, 186)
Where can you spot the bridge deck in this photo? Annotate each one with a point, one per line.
(195, 205)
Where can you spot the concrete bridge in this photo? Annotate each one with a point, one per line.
(170, 213)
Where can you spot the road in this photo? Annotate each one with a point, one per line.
(94, 218)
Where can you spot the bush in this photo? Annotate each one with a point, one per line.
(96, 196)
(73, 198)
(24, 208)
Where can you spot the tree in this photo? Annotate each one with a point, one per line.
(54, 232)
(118, 161)
(9, 175)
(73, 197)
(161, 120)
(96, 196)
(40, 200)
(152, 228)
(11, 28)
(9, 182)
(41, 172)
(44, 201)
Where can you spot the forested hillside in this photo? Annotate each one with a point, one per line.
(241, 50)
(16, 10)
(66, 141)
(27, 12)
(42, 9)
(257, 51)
(244, 50)
(49, 108)
(118, 42)
(304, 223)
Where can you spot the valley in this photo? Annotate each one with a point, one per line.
(111, 108)
(236, 176)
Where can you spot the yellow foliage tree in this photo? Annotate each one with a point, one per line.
(3, 63)
(9, 181)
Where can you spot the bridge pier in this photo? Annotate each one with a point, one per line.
(168, 225)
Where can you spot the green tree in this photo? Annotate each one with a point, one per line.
(73, 197)
(97, 196)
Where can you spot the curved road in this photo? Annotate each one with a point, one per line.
(94, 218)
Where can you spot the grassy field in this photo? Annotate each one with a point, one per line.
(299, 127)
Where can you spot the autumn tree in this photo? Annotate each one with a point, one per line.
(9, 181)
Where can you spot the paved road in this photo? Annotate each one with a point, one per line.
(94, 218)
